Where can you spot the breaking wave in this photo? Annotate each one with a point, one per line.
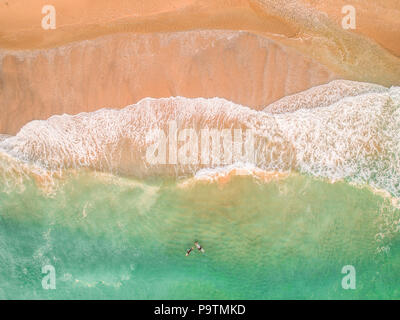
(341, 130)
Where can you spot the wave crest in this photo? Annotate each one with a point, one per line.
(352, 133)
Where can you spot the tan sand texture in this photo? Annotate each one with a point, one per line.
(130, 54)
(117, 70)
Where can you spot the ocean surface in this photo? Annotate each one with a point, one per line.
(321, 194)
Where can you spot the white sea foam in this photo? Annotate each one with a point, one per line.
(344, 130)
(323, 96)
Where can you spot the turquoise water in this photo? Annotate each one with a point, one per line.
(118, 238)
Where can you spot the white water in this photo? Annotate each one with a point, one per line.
(343, 130)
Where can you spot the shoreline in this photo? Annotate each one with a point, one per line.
(119, 70)
(306, 47)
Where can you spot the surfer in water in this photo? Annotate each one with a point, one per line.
(198, 246)
(188, 251)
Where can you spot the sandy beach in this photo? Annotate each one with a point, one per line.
(267, 131)
(106, 54)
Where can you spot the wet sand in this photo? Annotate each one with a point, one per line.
(111, 54)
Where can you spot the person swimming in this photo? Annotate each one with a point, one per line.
(199, 247)
(188, 251)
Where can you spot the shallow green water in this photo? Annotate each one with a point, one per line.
(127, 240)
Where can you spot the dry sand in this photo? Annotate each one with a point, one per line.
(156, 48)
